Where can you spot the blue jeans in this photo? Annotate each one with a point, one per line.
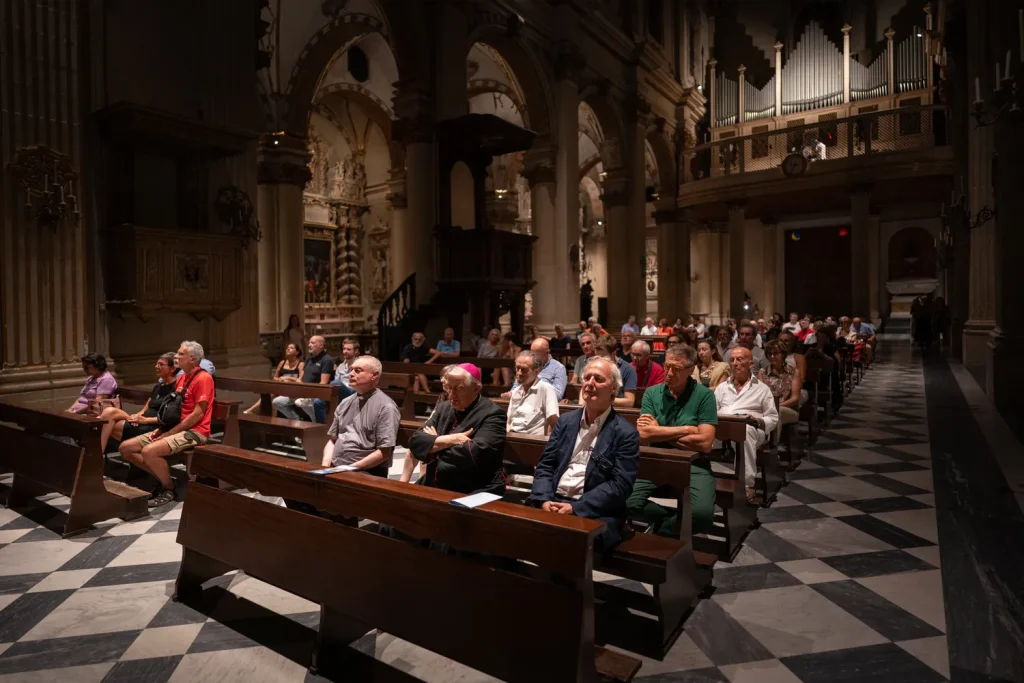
(320, 407)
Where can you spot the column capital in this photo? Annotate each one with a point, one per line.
(737, 208)
(569, 63)
(889, 34)
(615, 189)
(778, 46)
(396, 192)
(846, 29)
(539, 166)
(636, 109)
(282, 159)
(413, 106)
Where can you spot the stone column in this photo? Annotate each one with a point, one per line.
(568, 70)
(52, 287)
(539, 172)
(737, 223)
(673, 261)
(637, 119)
(980, 149)
(780, 271)
(282, 175)
(616, 220)
(399, 225)
(877, 294)
(860, 250)
(771, 268)
(1005, 373)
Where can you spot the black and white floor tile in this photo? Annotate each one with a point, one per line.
(840, 582)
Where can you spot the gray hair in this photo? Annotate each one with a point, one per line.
(195, 349)
(455, 370)
(587, 334)
(616, 375)
(684, 351)
(374, 364)
(534, 360)
(644, 347)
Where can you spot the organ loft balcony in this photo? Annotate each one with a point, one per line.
(822, 124)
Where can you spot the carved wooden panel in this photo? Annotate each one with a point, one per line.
(149, 270)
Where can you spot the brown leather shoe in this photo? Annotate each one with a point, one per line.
(753, 498)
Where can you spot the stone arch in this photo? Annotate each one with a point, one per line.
(664, 159)
(912, 254)
(378, 110)
(321, 50)
(536, 106)
(611, 127)
(481, 86)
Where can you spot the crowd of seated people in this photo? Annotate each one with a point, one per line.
(755, 369)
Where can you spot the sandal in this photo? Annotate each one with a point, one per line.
(161, 496)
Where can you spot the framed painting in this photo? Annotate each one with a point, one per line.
(318, 269)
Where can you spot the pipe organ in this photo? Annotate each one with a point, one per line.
(813, 78)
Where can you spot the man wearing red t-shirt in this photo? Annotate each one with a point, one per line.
(150, 450)
(648, 373)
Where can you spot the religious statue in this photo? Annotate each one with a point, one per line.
(586, 300)
(379, 244)
(348, 179)
(319, 164)
(337, 180)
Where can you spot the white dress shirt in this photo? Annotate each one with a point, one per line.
(649, 331)
(753, 398)
(529, 411)
(341, 373)
(571, 483)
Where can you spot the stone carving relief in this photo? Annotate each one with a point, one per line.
(348, 179)
(319, 158)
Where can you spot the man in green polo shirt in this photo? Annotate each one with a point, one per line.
(679, 413)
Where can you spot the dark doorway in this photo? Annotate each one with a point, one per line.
(818, 271)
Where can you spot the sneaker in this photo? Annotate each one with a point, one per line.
(161, 496)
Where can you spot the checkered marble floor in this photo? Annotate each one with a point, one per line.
(839, 583)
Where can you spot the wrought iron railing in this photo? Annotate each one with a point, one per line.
(892, 130)
(394, 313)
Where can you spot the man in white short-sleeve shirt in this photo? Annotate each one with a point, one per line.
(533, 406)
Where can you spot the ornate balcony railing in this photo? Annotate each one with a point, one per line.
(892, 130)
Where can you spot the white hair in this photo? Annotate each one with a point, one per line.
(534, 359)
(616, 375)
(461, 373)
(195, 349)
(644, 347)
(374, 364)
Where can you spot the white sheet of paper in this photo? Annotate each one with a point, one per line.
(475, 500)
(339, 468)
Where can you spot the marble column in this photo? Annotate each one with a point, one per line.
(51, 279)
(282, 175)
(568, 71)
(737, 224)
(616, 220)
(860, 251)
(398, 202)
(539, 172)
(637, 120)
(673, 261)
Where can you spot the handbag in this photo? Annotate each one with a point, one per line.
(170, 412)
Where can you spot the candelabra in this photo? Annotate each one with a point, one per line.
(49, 181)
(1007, 97)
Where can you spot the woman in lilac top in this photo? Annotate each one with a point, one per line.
(99, 384)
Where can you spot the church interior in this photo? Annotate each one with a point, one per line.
(351, 232)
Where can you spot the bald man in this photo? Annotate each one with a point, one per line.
(551, 371)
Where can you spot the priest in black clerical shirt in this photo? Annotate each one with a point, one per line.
(463, 441)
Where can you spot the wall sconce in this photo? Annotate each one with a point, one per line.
(500, 194)
(49, 181)
(234, 208)
(1007, 95)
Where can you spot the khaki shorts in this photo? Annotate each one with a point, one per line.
(181, 441)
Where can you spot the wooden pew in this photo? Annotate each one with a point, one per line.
(253, 428)
(572, 392)
(670, 565)
(434, 370)
(43, 465)
(823, 387)
(225, 412)
(730, 491)
(455, 604)
(630, 414)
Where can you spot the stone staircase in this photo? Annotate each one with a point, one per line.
(895, 329)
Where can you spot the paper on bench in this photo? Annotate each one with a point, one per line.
(339, 468)
(476, 500)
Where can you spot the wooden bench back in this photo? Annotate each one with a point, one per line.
(393, 380)
(324, 392)
(54, 463)
(441, 601)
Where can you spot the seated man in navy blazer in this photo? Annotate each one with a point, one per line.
(591, 459)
